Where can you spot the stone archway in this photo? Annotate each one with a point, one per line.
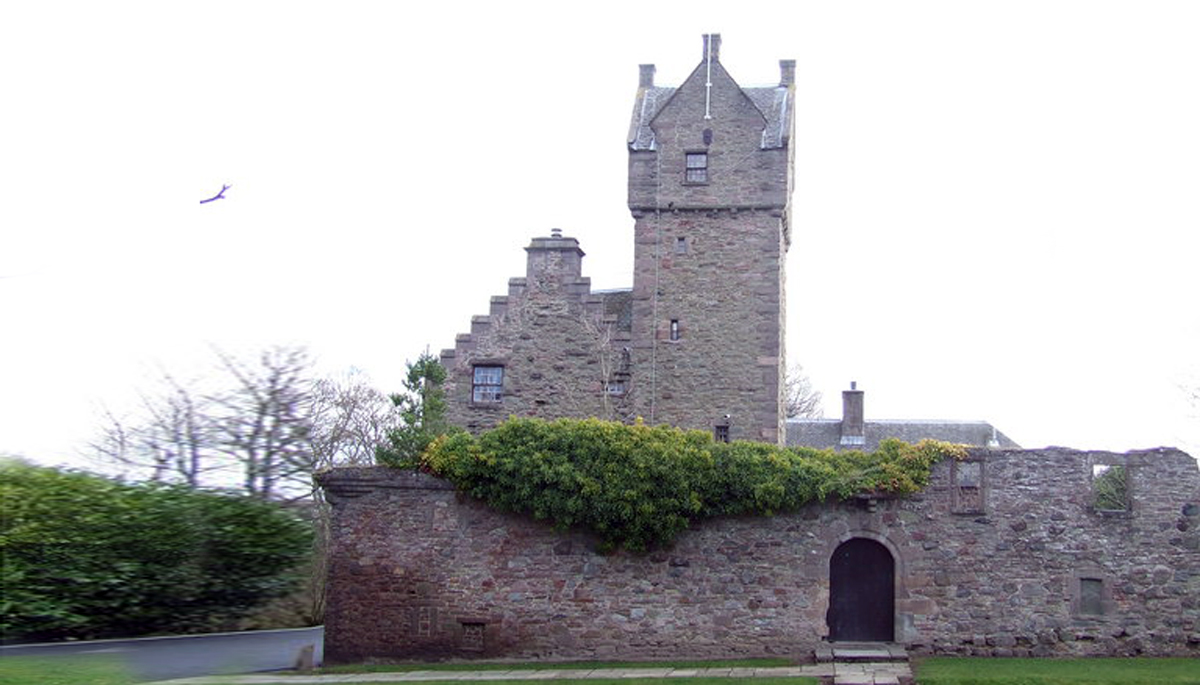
(862, 592)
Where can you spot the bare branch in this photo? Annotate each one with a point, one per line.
(218, 196)
(800, 399)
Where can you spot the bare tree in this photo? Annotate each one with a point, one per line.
(801, 401)
(266, 421)
(172, 438)
(350, 420)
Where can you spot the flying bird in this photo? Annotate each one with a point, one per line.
(218, 196)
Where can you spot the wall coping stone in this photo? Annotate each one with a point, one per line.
(350, 482)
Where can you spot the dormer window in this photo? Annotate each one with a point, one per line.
(697, 167)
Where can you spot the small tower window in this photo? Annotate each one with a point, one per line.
(615, 386)
(487, 384)
(697, 167)
(681, 246)
(674, 334)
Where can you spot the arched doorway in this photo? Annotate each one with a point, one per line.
(862, 592)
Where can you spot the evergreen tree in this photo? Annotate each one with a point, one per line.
(422, 408)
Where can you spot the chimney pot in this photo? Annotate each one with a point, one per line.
(646, 76)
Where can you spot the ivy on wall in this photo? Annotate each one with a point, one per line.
(638, 486)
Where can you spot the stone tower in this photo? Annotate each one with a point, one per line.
(710, 181)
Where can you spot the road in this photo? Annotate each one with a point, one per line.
(161, 658)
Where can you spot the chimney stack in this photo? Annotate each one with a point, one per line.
(712, 47)
(853, 425)
(646, 76)
(554, 259)
(787, 72)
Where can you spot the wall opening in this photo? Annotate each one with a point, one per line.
(967, 493)
(472, 635)
(1110, 487)
(862, 592)
(1091, 596)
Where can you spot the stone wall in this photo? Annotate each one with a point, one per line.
(725, 291)
(555, 340)
(995, 559)
(710, 256)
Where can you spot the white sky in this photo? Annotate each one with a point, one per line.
(996, 205)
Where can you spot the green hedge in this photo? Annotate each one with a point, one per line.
(89, 557)
(639, 486)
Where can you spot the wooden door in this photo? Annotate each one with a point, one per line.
(862, 592)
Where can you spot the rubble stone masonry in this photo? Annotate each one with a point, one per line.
(1002, 555)
(699, 340)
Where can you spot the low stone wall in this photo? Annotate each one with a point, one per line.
(1003, 556)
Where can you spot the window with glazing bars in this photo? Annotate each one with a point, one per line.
(487, 384)
(697, 167)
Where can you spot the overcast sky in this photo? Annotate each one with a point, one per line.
(996, 210)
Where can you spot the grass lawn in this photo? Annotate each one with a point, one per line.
(553, 665)
(612, 681)
(1099, 671)
(66, 670)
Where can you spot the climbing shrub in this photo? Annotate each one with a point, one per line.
(639, 486)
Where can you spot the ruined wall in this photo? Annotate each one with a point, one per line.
(990, 559)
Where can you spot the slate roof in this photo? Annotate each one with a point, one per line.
(827, 433)
(771, 101)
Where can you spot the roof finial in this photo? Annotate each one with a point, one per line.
(709, 50)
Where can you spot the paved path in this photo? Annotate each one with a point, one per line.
(863, 673)
(184, 656)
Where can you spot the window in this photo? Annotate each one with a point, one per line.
(967, 493)
(697, 167)
(681, 245)
(1110, 487)
(487, 385)
(721, 433)
(674, 329)
(615, 387)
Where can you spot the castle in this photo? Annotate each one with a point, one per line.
(1008, 552)
(698, 342)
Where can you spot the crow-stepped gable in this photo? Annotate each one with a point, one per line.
(699, 340)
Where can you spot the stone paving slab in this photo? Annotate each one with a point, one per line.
(866, 673)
